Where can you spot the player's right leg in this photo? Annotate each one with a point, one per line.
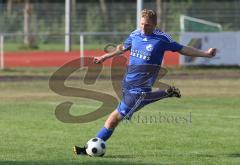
(124, 111)
(113, 120)
(79, 150)
(110, 124)
(105, 133)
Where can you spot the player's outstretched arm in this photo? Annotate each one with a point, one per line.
(190, 51)
(119, 50)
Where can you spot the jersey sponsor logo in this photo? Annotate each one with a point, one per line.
(140, 54)
(145, 39)
(149, 47)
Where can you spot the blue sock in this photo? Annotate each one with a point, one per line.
(104, 134)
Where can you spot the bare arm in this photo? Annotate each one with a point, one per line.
(119, 50)
(190, 51)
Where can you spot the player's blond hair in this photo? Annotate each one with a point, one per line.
(149, 14)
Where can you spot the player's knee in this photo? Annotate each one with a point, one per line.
(113, 120)
(111, 123)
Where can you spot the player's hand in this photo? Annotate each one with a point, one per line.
(98, 60)
(211, 52)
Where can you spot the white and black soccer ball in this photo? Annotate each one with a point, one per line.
(95, 147)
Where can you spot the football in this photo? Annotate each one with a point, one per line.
(95, 147)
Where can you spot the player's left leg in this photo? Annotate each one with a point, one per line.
(131, 103)
(153, 96)
(161, 94)
(173, 92)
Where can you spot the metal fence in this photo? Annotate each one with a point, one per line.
(81, 42)
(98, 22)
(113, 15)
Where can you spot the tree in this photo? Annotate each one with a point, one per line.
(9, 7)
(26, 26)
(105, 14)
(29, 40)
(162, 11)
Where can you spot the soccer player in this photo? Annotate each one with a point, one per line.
(147, 46)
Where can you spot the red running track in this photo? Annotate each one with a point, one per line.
(58, 58)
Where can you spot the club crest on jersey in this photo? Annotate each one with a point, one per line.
(149, 47)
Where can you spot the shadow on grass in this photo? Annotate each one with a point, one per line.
(203, 155)
(119, 156)
(234, 155)
(190, 154)
(80, 162)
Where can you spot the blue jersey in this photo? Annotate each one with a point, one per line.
(146, 56)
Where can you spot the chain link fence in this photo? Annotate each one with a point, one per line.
(112, 15)
(99, 22)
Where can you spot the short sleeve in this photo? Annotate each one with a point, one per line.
(128, 43)
(171, 46)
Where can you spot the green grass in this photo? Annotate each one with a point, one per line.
(31, 134)
(220, 71)
(13, 47)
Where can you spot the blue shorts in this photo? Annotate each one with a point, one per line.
(133, 101)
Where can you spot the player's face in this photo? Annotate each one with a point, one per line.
(147, 26)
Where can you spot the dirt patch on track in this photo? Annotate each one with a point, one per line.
(182, 76)
(228, 75)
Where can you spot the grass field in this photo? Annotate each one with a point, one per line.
(31, 134)
(13, 47)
